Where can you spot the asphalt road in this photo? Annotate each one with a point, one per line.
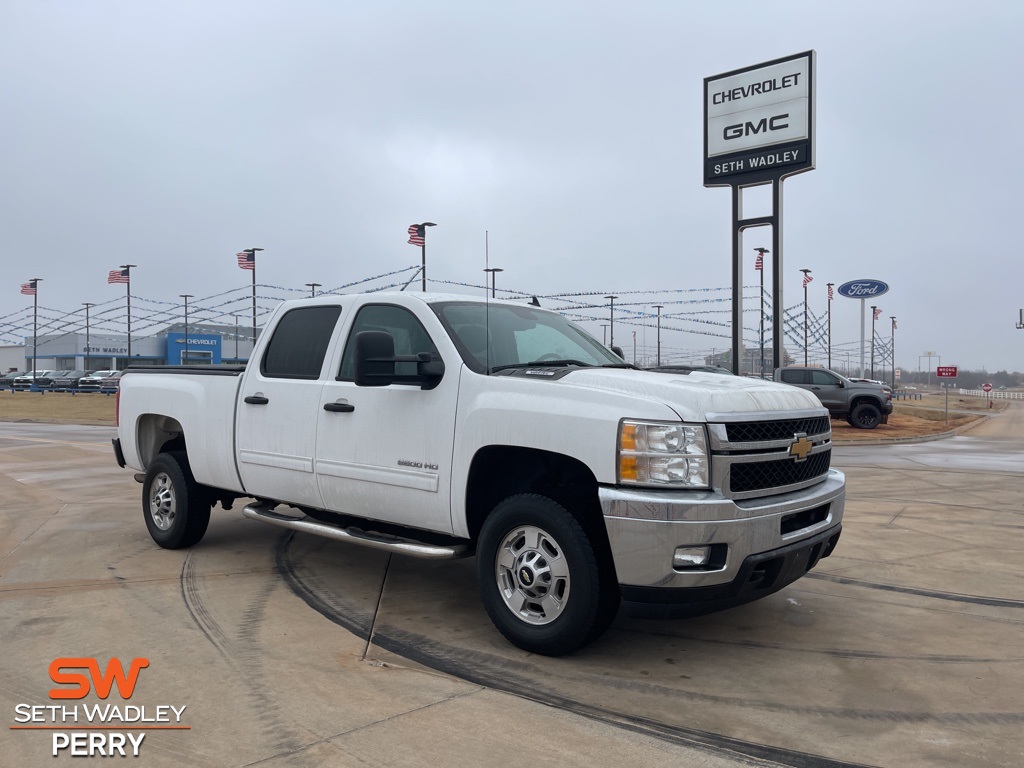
(905, 648)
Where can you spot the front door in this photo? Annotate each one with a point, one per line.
(385, 453)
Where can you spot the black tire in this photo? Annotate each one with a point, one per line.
(866, 416)
(545, 575)
(176, 507)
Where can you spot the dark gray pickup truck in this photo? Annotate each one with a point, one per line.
(863, 405)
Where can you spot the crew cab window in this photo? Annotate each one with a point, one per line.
(823, 379)
(299, 344)
(409, 335)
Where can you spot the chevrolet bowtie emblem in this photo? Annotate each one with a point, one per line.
(801, 447)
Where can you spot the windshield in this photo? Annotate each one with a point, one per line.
(495, 336)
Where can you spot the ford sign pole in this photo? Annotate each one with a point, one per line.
(863, 290)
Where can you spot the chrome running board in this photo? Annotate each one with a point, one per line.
(402, 546)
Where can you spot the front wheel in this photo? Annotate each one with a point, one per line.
(176, 509)
(865, 416)
(545, 578)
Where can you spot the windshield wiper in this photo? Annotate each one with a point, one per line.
(621, 365)
(541, 364)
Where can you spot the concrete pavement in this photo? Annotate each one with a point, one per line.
(904, 648)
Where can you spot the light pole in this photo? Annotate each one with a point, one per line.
(634, 347)
(236, 336)
(611, 320)
(493, 271)
(128, 296)
(659, 307)
(807, 279)
(759, 266)
(85, 360)
(892, 344)
(186, 297)
(312, 288)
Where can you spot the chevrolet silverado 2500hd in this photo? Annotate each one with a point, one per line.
(443, 426)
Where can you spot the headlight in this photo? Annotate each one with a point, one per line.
(652, 453)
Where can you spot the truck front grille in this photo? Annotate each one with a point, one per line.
(776, 473)
(758, 431)
(752, 458)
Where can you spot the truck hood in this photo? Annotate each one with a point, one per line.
(698, 396)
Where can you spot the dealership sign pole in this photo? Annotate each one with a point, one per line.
(759, 129)
(864, 290)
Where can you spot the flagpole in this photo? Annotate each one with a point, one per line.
(761, 252)
(874, 316)
(418, 236)
(35, 328)
(252, 252)
(253, 301)
(830, 325)
(128, 295)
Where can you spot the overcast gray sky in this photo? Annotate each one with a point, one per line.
(171, 135)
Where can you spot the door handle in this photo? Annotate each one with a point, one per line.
(256, 400)
(339, 407)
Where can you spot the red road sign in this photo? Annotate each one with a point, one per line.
(946, 371)
(986, 387)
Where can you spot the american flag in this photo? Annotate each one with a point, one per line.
(878, 313)
(417, 234)
(759, 262)
(830, 296)
(246, 260)
(29, 288)
(118, 276)
(807, 278)
(894, 323)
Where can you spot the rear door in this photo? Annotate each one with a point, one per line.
(278, 406)
(385, 453)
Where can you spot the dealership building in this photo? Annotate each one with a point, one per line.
(206, 345)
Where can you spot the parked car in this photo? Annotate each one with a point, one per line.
(864, 404)
(7, 380)
(39, 378)
(69, 379)
(92, 381)
(111, 382)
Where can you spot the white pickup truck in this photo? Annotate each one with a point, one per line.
(444, 426)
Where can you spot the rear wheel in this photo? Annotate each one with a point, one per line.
(865, 416)
(176, 507)
(545, 578)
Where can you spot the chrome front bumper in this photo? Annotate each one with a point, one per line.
(646, 526)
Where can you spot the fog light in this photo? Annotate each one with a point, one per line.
(691, 557)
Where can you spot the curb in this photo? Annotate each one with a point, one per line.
(923, 439)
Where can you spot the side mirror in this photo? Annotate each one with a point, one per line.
(618, 351)
(375, 359)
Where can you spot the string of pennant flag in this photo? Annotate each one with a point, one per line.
(151, 316)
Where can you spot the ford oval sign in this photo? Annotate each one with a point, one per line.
(863, 289)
